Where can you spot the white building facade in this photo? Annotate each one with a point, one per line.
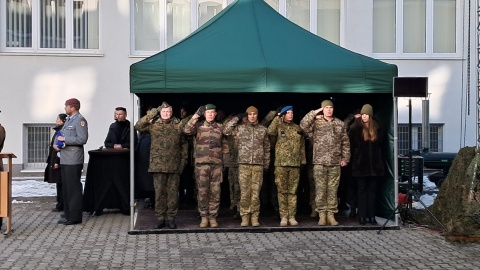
(58, 49)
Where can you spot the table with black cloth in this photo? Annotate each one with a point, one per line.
(107, 183)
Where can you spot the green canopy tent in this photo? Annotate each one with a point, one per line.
(250, 52)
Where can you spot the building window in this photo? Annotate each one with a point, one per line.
(436, 138)
(38, 138)
(158, 24)
(298, 11)
(416, 27)
(321, 17)
(49, 25)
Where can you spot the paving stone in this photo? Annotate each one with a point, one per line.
(103, 242)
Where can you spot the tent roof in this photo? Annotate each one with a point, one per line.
(249, 47)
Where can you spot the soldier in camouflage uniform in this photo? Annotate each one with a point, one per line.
(289, 155)
(331, 150)
(253, 159)
(168, 156)
(211, 150)
(232, 175)
(269, 193)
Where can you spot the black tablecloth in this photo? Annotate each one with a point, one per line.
(107, 183)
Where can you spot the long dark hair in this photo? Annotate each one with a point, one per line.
(370, 129)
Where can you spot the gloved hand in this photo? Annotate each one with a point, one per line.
(242, 115)
(60, 144)
(200, 111)
(152, 113)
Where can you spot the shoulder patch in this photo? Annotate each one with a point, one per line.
(82, 123)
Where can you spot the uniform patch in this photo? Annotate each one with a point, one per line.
(82, 123)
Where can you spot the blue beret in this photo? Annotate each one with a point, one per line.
(285, 109)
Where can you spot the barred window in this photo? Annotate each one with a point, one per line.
(37, 142)
(436, 138)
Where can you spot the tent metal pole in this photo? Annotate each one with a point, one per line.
(395, 154)
(132, 162)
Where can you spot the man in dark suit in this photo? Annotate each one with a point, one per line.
(118, 136)
(74, 136)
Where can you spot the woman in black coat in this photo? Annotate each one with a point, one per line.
(367, 162)
(52, 171)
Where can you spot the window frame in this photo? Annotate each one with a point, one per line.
(417, 137)
(35, 49)
(163, 25)
(282, 7)
(41, 159)
(428, 54)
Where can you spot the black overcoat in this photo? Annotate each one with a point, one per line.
(367, 157)
(53, 175)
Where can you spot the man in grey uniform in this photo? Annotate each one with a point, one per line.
(74, 136)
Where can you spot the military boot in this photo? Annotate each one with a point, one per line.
(331, 219)
(284, 222)
(255, 222)
(322, 221)
(293, 221)
(204, 222)
(245, 221)
(213, 222)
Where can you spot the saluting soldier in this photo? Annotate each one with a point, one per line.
(289, 155)
(211, 151)
(168, 156)
(253, 159)
(74, 136)
(331, 150)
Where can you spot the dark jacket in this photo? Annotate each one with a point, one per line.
(53, 175)
(2, 141)
(142, 159)
(119, 133)
(367, 158)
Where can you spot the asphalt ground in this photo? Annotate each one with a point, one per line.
(104, 242)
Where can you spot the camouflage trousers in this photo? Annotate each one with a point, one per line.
(250, 178)
(311, 184)
(234, 186)
(327, 179)
(287, 179)
(166, 195)
(209, 178)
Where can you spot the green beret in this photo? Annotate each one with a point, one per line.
(210, 107)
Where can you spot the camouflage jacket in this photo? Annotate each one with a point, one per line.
(290, 145)
(253, 142)
(168, 148)
(211, 146)
(233, 147)
(330, 139)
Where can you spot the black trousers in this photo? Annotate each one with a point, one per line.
(367, 192)
(59, 205)
(72, 192)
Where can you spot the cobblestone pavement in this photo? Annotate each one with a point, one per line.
(103, 242)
